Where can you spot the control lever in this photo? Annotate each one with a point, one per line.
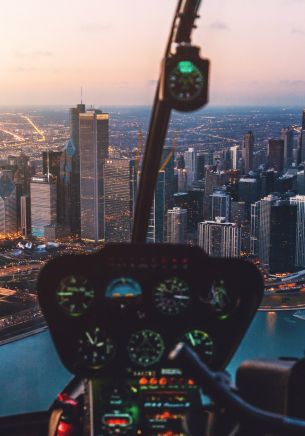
(216, 386)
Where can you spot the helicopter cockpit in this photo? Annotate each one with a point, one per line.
(147, 329)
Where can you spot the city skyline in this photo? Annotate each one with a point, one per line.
(49, 59)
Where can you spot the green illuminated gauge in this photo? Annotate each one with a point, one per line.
(74, 295)
(145, 347)
(185, 81)
(123, 288)
(172, 296)
(201, 342)
(95, 349)
(221, 302)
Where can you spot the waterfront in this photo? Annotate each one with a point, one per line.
(32, 375)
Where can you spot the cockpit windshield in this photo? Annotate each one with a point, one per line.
(77, 87)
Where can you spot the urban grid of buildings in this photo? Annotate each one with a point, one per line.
(227, 202)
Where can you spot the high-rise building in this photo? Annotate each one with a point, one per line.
(51, 165)
(302, 139)
(213, 179)
(287, 135)
(118, 200)
(238, 212)
(234, 156)
(182, 180)
(273, 233)
(8, 203)
(177, 225)
(248, 191)
(190, 165)
(247, 151)
(93, 149)
(220, 204)
(276, 154)
(25, 215)
(74, 214)
(155, 230)
(43, 204)
(299, 201)
(219, 239)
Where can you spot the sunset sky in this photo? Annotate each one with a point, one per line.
(113, 48)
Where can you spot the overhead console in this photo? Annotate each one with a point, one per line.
(114, 316)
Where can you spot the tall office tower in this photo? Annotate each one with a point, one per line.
(232, 183)
(51, 161)
(234, 156)
(301, 182)
(155, 231)
(167, 165)
(276, 154)
(65, 213)
(213, 179)
(219, 239)
(287, 182)
(180, 162)
(220, 204)
(287, 135)
(273, 233)
(302, 139)
(201, 161)
(117, 193)
(238, 212)
(190, 165)
(247, 151)
(177, 225)
(267, 181)
(8, 205)
(43, 204)
(133, 185)
(93, 149)
(25, 215)
(248, 191)
(299, 201)
(74, 213)
(182, 180)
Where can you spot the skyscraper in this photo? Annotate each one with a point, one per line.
(117, 193)
(74, 214)
(287, 135)
(220, 204)
(299, 201)
(219, 239)
(247, 151)
(25, 215)
(276, 154)
(93, 148)
(177, 225)
(43, 204)
(8, 203)
(302, 139)
(190, 165)
(155, 231)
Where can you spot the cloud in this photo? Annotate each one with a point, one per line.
(295, 31)
(95, 27)
(219, 25)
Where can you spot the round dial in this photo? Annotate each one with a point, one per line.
(220, 301)
(74, 295)
(201, 342)
(172, 296)
(145, 347)
(123, 287)
(185, 81)
(95, 349)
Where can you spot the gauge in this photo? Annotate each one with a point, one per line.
(95, 349)
(201, 342)
(123, 287)
(185, 81)
(172, 296)
(145, 347)
(74, 295)
(219, 299)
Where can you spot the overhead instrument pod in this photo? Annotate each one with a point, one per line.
(184, 83)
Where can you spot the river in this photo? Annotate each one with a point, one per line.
(31, 374)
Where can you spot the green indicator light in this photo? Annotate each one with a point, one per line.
(186, 67)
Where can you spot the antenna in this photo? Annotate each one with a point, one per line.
(81, 95)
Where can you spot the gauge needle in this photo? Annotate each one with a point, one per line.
(90, 338)
(192, 340)
(100, 344)
(182, 297)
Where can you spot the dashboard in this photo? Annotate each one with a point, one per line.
(114, 316)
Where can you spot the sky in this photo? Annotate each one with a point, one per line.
(49, 49)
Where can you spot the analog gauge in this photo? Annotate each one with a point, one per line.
(74, 295)
(219, 299)
(185, 81)
(201, 342)
(145, 347)
(95, 349)
(123, 288)
(172, 296)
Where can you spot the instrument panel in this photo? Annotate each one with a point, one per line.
(127, 305)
